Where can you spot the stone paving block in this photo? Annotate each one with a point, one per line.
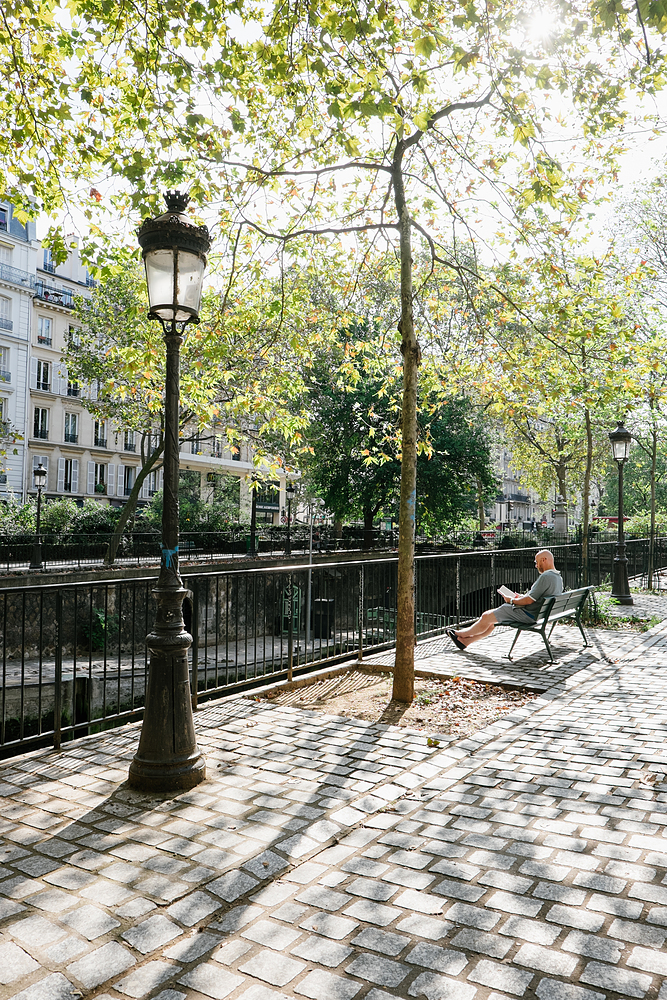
(509, 903)
(146, 979)
(619, 907)
(90, 921)
(534, 956)
(53, 987)
(36, 931)
(371, 889)
(193, 908)
(550, 989)
(325, 986)
(431, 956)
(374, 969)
(265, 865)
(656, 915)
(455, 890)
(98, 966)
(271, 934)
(501, 977)
(421, 902)
(14, 963)
(272, 968)
(107, 893)
(435, 987)
(64, 951)
(53, 901)
(593, 946)
(483, 942)
(581, 919)
(530, 930)
(628, 984)
(383, 941)
(151, 933)
(462, 913)
(211, 980)
(322, 897)
(190, 948)
(329, 925)
(232, 885)
(648, 960)
(229, 953)
(322, 951)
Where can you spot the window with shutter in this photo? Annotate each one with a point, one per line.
(111, 479)
(61, 475)
(91, 477)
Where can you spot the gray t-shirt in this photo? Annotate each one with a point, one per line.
(548, 584)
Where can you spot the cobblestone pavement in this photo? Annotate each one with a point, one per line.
(335, 859)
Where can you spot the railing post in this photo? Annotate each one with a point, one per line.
(290, 632)
(360, 653)
(58, 678)
(194, 587)
(458, 589)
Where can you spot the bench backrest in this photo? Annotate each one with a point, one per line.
(564, 604)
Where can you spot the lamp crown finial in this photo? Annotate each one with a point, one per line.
(177, 201)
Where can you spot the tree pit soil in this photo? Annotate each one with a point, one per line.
(453, 706)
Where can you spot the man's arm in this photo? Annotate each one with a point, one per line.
(520, 601)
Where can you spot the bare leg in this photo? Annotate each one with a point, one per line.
(480, 629)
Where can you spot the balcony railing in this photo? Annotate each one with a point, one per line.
(49, 267)
(41, 433)
(100, 487)
(127, 490)
(100, 442)
(46, 341)
(14, 276)
(129, 446)
(71, 438)
(43, 386)
(73, 390)
(56, 296)
(5, 376)
(6, 324)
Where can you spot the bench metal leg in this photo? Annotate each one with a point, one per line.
(546, 643)
(516, 636)
(581, 629)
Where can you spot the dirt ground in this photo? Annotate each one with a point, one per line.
(453, 706)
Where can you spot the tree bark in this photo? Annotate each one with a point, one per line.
(587, 495)
(480, 506)
(404, 669)
(130, 505)
(651, 544)
(368, 527)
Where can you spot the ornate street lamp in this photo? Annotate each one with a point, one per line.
(620, 447)
(289, 493)
(174, 252)
(40, 483)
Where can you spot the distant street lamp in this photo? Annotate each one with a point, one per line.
(174, 252)
(620, 447)
(253, 517)
(289, 493)
(40, 483)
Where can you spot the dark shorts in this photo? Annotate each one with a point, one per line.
(507, 614)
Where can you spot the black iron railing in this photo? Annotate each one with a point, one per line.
(73, 657)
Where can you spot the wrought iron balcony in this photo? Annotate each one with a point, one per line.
(71, 438)
(100, 442)
(56, 296)
(6, 324)
(5, 376)
(46, 341)
(39, 432)
(14, 276)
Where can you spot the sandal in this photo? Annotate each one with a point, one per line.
(455, 639)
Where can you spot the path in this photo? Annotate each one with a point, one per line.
(335, 859)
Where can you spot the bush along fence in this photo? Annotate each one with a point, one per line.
(74, 656)
(142, 548)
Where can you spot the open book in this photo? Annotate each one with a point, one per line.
(506, 592)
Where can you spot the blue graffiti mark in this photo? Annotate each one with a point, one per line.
(412, 503)
(167, 554)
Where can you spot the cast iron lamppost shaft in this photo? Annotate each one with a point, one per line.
(620, 446)
(168, 759)
(40, 475)
(289, 493)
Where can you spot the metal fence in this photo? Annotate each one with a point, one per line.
(142, 548)
(74, 658)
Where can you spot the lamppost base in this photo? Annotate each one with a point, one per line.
(168, 759)
(622, 598)
(159, 776)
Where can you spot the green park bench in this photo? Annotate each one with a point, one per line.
(553, 610)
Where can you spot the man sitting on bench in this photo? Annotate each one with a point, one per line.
(522, 609)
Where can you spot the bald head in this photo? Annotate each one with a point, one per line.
(544, 560)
